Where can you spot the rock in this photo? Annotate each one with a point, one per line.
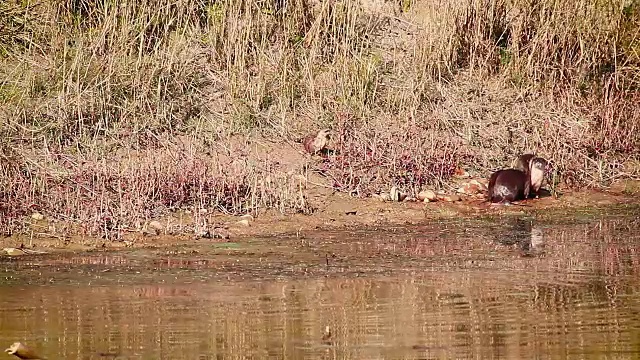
(461, 173)
(221, 233)
(13, 252)
(243, 222)
(156, 225)
(450, 198)
(382, 197)
(247, 216)
(396, 195)
(427, 195)
(472, 187)
(153, 227)
(37, 216)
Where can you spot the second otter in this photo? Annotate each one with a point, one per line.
(525, 162)
(538, 168)
(314, 144)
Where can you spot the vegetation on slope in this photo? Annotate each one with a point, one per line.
(112, 112)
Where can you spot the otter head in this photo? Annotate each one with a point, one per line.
(324, 133)
(321, 140)
(538, 168)
(523, 162)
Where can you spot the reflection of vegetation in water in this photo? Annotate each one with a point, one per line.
(450, 289)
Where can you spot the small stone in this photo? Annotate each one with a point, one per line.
(202, 233)
(153, 227)
(247, 216)
(243, 222)
(394, 194)
(450, 198)
(221, 233)
(461, 173)
(472, 187)
(156, 225)
(37, 216)
(468, 189)
(426, 195)
(13, 251)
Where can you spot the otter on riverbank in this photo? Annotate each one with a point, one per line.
(538, 167)
(314, 144)
(510, 185)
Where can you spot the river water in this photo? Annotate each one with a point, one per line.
(506, 287)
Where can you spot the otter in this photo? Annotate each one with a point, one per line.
(508, 185)
(538, 168)
(524, 163)
(314, 144)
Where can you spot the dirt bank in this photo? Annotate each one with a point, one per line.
(334, 211)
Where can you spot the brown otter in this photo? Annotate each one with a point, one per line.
(523, 161)
(510, 185)
(538, 168)
(314, 144)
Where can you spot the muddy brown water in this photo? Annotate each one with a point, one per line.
(512, 287)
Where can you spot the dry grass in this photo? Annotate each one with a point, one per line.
(413, 90)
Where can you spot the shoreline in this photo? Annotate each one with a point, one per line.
(337, 212)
